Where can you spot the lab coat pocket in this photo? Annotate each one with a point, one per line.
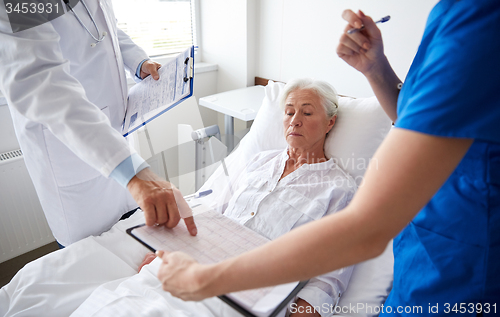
(105, 110)
(68, 169)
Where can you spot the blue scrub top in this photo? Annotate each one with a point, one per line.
(450, 253)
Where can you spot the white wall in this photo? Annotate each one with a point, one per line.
(298, 38)
(224, 40)
(282, 39)
(228, 38)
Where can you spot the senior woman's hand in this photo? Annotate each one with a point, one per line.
(183, 277)
(362, 50)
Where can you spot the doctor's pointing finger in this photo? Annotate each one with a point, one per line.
(161, 201)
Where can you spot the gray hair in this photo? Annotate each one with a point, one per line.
(324, 90)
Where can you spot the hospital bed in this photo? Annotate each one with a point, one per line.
(97, 276)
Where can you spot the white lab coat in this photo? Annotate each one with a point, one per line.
(67, 102)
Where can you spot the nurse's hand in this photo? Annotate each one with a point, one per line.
(183, 277)
(364, 49)
(161, 201)
(150, 68)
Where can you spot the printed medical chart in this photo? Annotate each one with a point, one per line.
(218, 238)
(151, 98)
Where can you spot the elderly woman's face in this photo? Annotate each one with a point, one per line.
(305, 122)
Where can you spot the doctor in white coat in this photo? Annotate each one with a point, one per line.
(67, 95)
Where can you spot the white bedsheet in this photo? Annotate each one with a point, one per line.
(141, 295)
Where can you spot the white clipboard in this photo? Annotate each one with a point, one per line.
(219, 238)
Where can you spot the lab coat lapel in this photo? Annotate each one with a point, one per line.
(111, 24)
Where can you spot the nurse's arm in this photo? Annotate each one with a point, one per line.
(405, 172)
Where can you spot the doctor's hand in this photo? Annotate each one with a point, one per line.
(161, 201)
(364, 49)
(183, 277)
(150, 68)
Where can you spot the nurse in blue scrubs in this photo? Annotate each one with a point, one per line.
(436, 189)
(449, 254)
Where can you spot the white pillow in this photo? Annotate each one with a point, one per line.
(266, 132)
(360, 128)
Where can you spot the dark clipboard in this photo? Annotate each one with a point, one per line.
(275, 312)
(187, 82)
(225, 298)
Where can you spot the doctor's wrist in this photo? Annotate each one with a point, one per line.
(128, 168)
(138, 69)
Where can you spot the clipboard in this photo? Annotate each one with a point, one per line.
(155, 238)
(151, 98)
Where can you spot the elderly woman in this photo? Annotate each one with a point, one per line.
(287, 188)
(283, 189)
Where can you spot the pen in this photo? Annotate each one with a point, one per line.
(383, 20)
(198, 195)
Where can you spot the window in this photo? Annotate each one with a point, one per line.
(160, 27)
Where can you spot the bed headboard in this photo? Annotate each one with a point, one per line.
(263, 82)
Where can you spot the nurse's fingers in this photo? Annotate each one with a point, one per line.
(367, 34)
(349, 43)
(344, 50)
(371, 29)
(160, 253)
(352, 18)
(358, 38)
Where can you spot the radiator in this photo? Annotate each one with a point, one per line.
(23, 226)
